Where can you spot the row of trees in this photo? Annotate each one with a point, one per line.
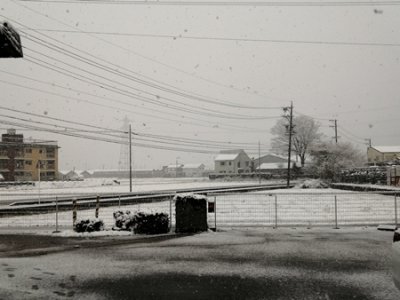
(327, 158)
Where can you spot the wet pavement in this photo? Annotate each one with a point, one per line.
(252, 263)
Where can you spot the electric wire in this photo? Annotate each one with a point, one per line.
(204, 79)
(216, 38)
(224, 3)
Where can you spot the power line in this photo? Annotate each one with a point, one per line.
(225, 3)
(111, 132)
(129, 94)
(142, 98)
(222, 126)
(130, 77)
(214, 38)
(204, 79)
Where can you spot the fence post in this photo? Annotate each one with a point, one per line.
(276, 211)
(336, 221)
(170, 213)
(395, 210)
(119, 201)
(56, 215)
(215, 213)
(74, 208)
(96, 215)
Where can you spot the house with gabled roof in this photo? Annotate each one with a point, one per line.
(232, 161)
(383, 154)
(193, 170)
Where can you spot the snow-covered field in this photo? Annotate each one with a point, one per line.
(295, 207)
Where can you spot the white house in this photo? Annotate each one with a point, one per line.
(193, 170)
(232, 161)
(381, 154)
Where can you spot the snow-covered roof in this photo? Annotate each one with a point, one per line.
(88, 171)
(192, 166)
(174, 166)
(387, 149)
(65, 172)
(270, 166)
(222, 157)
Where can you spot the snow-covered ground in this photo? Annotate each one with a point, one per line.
(106, 185)
(294, 207)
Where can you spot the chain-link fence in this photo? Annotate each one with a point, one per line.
(325, 208)
(305, 209)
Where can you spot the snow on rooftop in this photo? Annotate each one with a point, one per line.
(222, 157)
(192, 166)
(269, 166)
(387, 149)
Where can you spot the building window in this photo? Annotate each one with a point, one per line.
(28, 162)
(28, 150)
(222, 163)
(230, 163)
(238, 164)
(247, 163)
(51, 164)
(40, 151)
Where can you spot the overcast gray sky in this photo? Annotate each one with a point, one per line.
(333, 62)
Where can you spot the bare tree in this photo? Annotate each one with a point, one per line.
(330, 158)
(306, 134)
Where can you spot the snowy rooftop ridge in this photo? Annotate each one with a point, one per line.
(387, 149)
(221, 157)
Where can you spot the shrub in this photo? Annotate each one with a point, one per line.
(151, 223)
(88, 225)
(123, 220)
(141, 223)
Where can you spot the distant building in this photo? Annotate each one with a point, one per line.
(193, 170)
(232, 161)
(86, 173)
(174, 170)
(383, 154)
(269, 159)
(27, 160)
(69, 175)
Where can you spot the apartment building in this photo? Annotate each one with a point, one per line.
(29, 160)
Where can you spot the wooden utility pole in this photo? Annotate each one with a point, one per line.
(335, 126)
(259, 165)
(369, 142)
(130, 158)
(290, 129)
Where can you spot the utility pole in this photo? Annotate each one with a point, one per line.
(130, 158)
(38, 166)
(259, 165)
(369, 142)
(290, 133)
(334, 126)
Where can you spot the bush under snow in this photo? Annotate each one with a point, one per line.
(312, 184)
(141, 223)
(89, 225)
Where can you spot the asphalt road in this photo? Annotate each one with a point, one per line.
(233, 264)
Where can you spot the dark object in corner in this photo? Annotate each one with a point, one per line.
(10, 42)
